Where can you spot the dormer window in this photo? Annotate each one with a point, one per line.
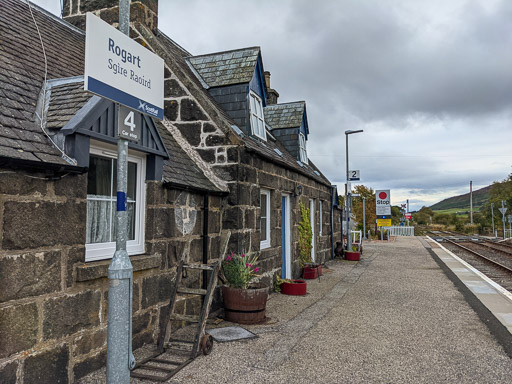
(257, 119)
(302, 149)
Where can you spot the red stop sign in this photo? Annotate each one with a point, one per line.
(383, 195)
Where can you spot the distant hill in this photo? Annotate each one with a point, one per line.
(480, 196)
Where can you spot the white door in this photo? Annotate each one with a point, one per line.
(285, 238)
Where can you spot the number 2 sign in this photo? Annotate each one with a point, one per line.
(353, 175)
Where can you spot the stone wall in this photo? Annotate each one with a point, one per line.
(142, 11)
(243, 214)
(53, 305)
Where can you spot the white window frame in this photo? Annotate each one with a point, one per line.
(302, 148)
(257, 117)
(102, 251)
(320, 217)
(265, 243)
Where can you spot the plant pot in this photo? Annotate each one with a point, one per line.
(310, 272)
(245, 306)
(297, 288)
(352, 256)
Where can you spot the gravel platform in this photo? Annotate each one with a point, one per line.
(394, 317)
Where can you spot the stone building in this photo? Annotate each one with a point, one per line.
(224, 171)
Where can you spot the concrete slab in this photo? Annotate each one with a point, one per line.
(226, 334)
(394, 317)
(493, 296)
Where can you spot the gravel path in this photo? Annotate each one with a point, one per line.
(392, 318)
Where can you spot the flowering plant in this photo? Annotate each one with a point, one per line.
(239, 270)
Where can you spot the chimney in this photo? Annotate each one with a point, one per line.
(141, 11)
(272, 94)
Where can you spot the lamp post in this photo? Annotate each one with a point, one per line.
(364, 219)
(348, 198)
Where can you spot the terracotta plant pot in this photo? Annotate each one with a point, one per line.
(296, 288)
(310, 272)
(245, 306)
(352, 256)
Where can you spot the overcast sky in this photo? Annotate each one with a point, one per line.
(430, 82)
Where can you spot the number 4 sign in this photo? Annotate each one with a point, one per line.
(128, 124)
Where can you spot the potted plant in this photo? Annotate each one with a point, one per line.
(310, 270)
(291, 286)
(244, 302)
(353, 255)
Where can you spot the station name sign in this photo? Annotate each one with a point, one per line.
(120, 69)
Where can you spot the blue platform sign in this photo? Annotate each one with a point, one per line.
(120, 69)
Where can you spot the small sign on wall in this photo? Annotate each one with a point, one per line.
(128, 124)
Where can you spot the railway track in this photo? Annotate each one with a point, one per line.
(488, 257)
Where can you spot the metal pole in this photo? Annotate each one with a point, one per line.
(471, 202)
(503, 217)
(120, 272)
(347, 198)
(407, 211)
(492, 216)
(364, 220)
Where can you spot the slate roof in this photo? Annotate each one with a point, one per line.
(21, 81)
(225, 68)
(266, 149)
(286, 115)
(22, 75)
(179, 169)
(65, 100)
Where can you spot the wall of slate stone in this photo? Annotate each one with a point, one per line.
(53, 305)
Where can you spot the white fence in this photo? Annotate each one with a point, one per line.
(400, 231)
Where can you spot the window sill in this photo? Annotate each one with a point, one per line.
(99, 269)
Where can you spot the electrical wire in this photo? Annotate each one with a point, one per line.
(42, 118)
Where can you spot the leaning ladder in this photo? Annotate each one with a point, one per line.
(168, 367)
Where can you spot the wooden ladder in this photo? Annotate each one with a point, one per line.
(169, 367)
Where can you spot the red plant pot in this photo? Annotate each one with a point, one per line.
(310, 272)
(297, 288)
(353, 256)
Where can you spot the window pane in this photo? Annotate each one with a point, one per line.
(261, 128)
(259, 109)
(263, 204)
(98, 221)
(99, 176)
(263, 216)
(254, 124)
(253, 104)
(132, 181)
(263, 229)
